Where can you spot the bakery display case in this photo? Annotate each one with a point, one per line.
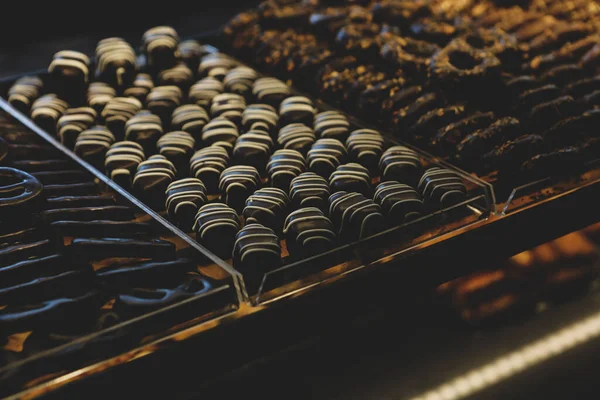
(307, 165)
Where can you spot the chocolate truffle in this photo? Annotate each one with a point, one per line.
(72, 123)
(160, 46)
(270, 91)
(46, 111)
(92, 145)
(332, 125)
(69, 71)
(184, 198)
(253, 148)
(239, 80)
(151, 180)
(203, 91)
(117, 112)
(219, 130)
(283, 166)
(309, 190)
(177, 147)
(215, 65)
(325, 156)
(122, 161)
(115, 62)
(144, 128)
(296, 137)
(162, 101)
(229, 106)
(298, 109)
(355, 216)
(399, 163)
(216, 226)
(190, 118)
(141, 86)
(256, 250)
(442, 187)
(207, 164)
(98, 94)
(190, 52)
(268, 207)
(365, 146)
(179, 75)
(24, 92)
(351, 177)
(260, 117)
(399, 202)
(308, 232)
(236, 184)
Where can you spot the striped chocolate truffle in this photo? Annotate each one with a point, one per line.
(24, 92)
(162, 101)
(365, 146)
(73, 122)
(332, 125)
(253, 148)
(260, 117)
(184, 198)
(190, 118)
(309, 190)
(268, 207)
(219, 130)
(207, 164)
(98, 94)
(203, 91)
(256, 250)
(144, 128)
(283, 166)
(190, 52)
(270, 91)
(92, 145)
(177, 147)
(325, 156)
(117, 112)
(297, 109)
(236, 184)
(399, 163)
(216, 226)
(151, 180)
(355, 216)
(215, 65)
(70, 73)
(297, 137)
(442, 187)
(47, 110)
(141, 86)
(308, 232)
(122, 161)
(399, 202)
(229, 106)
(115, 62)
(239, 80)
(160, 46)
(179, 75)
(351, 177)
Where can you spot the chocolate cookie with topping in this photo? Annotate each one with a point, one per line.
(399, 163)
(115, 62)
(365, 147)
(219, 130)
(162, 101)
(117, 112)
(260, 117)
(332, 125)
(256, 251)
(99, 94)
(160, 45)
(296, 109)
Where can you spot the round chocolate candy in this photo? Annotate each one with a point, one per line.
(355, 216)
(160, 46)
(253, 148)
(24, 92)
(260, 117)
(207, 164)
(46, 111)
(215, 65)
(399, 202)
(141, 86)
(229, 106)
(365, 146)
(92, 145)
(144, 128)
(228, 146)
(308, 232)
(270, 91)
(309, 190)
(203, 91)
(297, 109)
(296, 137)
(72, 123)
(190, 52)
(162, 101)
(70, 74)
(216, 226)
(219, 130)
(256, 250)
(151, 180)
(283, 166)
(236, 184)
(351, 177)
(115, 62)
(177, 147)
(98, 94)
(332, 125)
(268, 207)
(190, 118)
(122, 161)
(442, 187)
(399, 163)
(179, 75)
(325, 156)
(239, 80)
(117, 112)
(184, 198)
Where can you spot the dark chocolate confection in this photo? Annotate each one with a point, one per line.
(572, 129)
(308, 232)
(219, 130)
(591, 59)
(365, 146)
(400, 12)
(162, 101)
(351, 177)
(46, 111)
(24, 92)
(296, 137)
(190, 52)
(562, 75)
(520, 84)
(216, 226)
(177, 147)
(325, 156)
(399, 163)
(184, 198)
(215, 65)
(426, 126)
(268, 207)
(442, 187)
(283, 166)
(558, 36)
(430, 30)
(236, 184)
(530, 98)
(190, 118)
(229, 106)
(407, 54)
(405, 117)
(483, 140)
(256, 250)
(84, 249)
(141, 86)
(569, 53)
(90, 229)
(98, 94)
(451, 135)
(253, 148)
(331, 124)
(160, 46)
(153, 274)
(309, 190)
(545, 115)
(144, 128)
(497, 42)
(122, 160)
(355, 216)
(70, 73)
(115, 62)
(359, 39)
(296, 109)
(117, 112)
(561, 161)
(207, 164)
(151, 180)
(179, 75)
(260, 117)
(512, 153)
(203, 91)
(92, 145)
(399, 202)
(72, 123)
(239, 80)
(111, 213)
(270, 91)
